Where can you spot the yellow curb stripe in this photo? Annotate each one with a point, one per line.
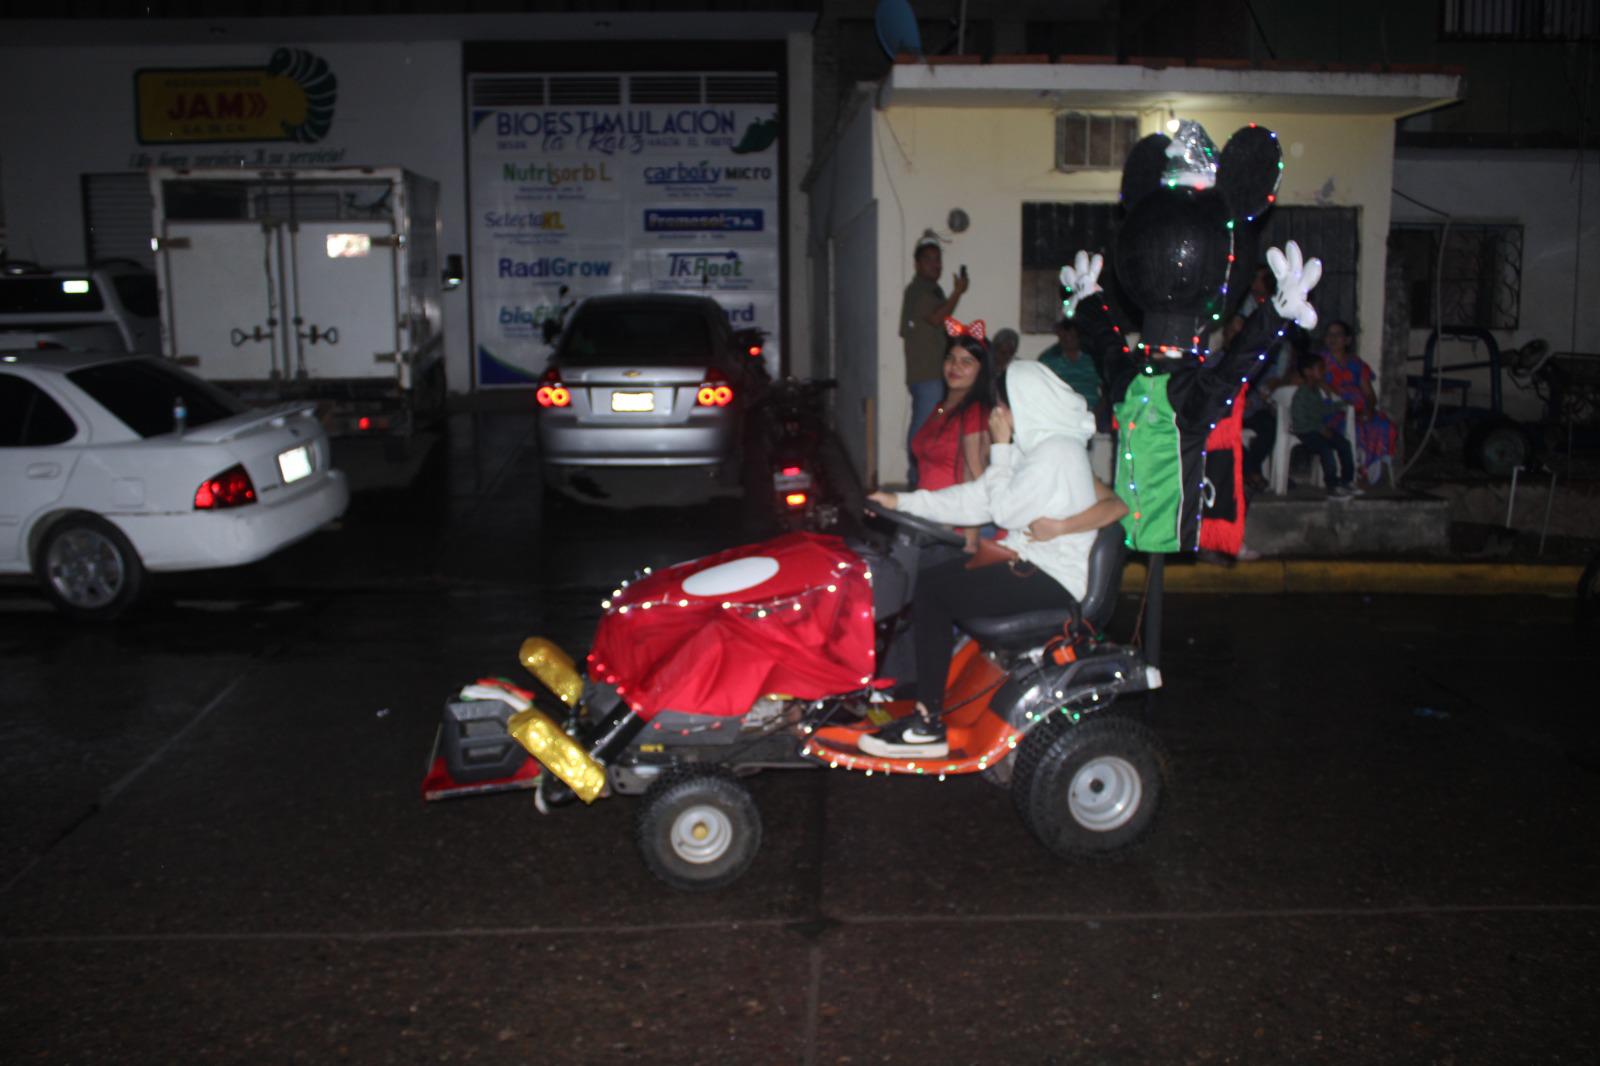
(1300, 576)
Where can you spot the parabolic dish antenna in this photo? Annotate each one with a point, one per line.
(897, 28)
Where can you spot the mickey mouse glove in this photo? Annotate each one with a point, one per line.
(1081, 280)
(1296, 278)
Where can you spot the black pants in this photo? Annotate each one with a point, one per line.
(949, 591)
(1325, 448)
(1265, 423)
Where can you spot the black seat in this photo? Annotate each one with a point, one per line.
(1016, 631)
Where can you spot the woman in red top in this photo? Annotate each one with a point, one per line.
(953, 444)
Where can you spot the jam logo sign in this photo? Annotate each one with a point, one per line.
(291, 98)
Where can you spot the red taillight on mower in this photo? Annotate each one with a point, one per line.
(715, 390)
(231, 488)
(551, 392)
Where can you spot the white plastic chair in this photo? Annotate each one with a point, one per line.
(1284, 442)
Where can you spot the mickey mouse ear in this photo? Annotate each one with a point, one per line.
(1141, 174)
(1249, 171)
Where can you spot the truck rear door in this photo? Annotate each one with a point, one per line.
(220, 283)
(345, 293)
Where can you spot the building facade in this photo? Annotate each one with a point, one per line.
(574, 154)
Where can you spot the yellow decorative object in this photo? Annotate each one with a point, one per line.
(553, 667)
(558, 753)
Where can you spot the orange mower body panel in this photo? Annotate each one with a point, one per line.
(978, 737)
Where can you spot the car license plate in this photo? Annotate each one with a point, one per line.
(633, 401)
(294, 464)
(784, 481)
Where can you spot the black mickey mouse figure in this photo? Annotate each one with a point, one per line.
(1184, 255)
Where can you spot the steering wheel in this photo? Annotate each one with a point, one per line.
(932, 530)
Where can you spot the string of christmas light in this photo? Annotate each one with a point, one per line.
(759, 608)
(1272, 198)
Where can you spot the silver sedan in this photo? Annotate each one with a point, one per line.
(646, 381)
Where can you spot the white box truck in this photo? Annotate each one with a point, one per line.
(316, 284)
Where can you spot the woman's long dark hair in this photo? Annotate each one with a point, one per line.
(982, 391)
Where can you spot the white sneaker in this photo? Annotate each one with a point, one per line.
(912, 737)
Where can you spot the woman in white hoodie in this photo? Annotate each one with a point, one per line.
(1038, 468)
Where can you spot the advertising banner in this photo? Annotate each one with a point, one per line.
(571, 202)
(291, 98)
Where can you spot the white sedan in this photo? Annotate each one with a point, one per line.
(112, 465)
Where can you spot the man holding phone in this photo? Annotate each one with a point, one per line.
(923, 310)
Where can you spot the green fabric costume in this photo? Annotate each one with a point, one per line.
(1150, 466)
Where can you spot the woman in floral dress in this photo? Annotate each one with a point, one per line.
(1351, 377)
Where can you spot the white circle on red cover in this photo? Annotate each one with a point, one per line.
(736, 576)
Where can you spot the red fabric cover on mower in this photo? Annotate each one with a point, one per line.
(791, 615)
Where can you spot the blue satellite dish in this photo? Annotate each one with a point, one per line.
(897, 28)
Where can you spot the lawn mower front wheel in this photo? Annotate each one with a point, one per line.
(698, 829)
(1089, 788)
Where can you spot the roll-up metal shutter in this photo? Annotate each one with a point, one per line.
(117, 212)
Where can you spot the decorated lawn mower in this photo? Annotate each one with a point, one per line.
(763, 657)
(784, 654)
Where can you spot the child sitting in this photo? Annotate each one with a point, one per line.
(1308, 421)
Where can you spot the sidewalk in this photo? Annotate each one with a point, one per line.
(1423, 540)
(1410, 577)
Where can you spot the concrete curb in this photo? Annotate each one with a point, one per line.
(1270, 577)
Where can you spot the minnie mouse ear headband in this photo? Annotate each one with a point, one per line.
(974, 330)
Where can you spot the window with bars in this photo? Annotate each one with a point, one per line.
(1051, 234)
(1333, 235)
(1519, 20)
(1479, 280)
(1094, 142)
(493, 90)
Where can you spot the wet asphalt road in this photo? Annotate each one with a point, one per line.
(1378, 845)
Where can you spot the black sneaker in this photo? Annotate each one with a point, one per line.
(909, 738)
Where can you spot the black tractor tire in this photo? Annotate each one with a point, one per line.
(698, 829)
(87, 568)
(1499, 449)
(1087, 789)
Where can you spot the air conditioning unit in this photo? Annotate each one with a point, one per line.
(1094, 142)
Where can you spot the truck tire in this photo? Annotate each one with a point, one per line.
(88, 569)
(1089, 788)
(698, 829)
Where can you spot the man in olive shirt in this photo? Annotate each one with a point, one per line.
(922, 313)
